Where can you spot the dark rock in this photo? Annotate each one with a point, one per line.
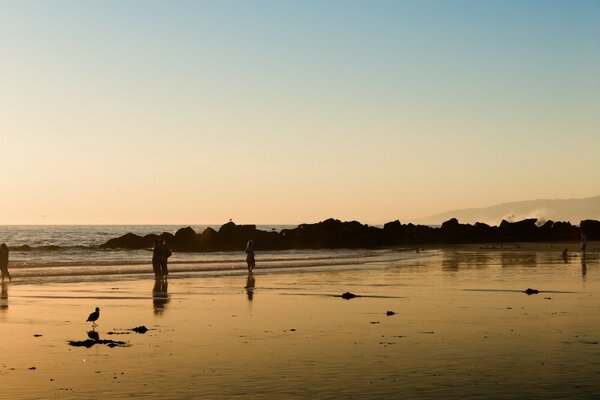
(390, 313)
(140, 329)
(531, 291)
(90, 342)
(129, 241)
(186, 239)
(348, 295)
(524, 230)
(333, 233)
(591, 229)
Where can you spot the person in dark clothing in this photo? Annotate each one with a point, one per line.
(166, 253)
(4, 262)
(157, 256)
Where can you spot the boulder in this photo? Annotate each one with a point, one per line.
(591, 228)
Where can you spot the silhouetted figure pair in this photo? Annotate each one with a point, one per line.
(160, 257)
(250, 255)
(4, 262)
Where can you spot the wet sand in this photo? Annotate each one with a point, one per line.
(462, 328)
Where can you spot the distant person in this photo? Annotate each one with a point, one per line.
(565, 254)
(157, 256)
(4, 262)
(166, 253)
(250, 255)
(583, 244)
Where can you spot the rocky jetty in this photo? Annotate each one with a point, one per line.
(333, 233)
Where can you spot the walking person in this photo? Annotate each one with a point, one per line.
(583, 244)
(157, 256)
(250, 255)
(4, 262)
(166, 253)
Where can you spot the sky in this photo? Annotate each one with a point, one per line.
(284, 112)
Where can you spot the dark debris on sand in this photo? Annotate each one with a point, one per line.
(90, 342)
(348, 295)
(140, 329)
(530, 291)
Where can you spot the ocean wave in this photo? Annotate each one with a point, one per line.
(137, 269)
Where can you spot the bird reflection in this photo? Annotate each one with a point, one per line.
(4, 297)
(160, 295)
(95, 336)
(250, 285)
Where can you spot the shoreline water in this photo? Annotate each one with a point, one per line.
(462, 328)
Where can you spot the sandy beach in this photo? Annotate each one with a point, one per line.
(462, 327)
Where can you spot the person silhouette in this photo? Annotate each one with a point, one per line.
(250, 255)
(583, 244)
(4, 262)
(166, 253)
(157, 256)
(250, 282)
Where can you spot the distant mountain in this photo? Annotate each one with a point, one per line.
(573, 210)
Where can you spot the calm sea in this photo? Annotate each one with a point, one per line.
(73, 252)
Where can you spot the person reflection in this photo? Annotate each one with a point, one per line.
(565, 255)
(583, 268)
(160, 295)
(4, 297)
(250, 281)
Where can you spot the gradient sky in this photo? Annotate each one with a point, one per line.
(190, 112)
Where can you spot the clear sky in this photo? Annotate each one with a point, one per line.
(190, 112)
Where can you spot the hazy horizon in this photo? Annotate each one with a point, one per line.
(155, 113)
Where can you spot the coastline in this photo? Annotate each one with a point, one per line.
(462, 327)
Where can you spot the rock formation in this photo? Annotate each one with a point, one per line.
(333, 233)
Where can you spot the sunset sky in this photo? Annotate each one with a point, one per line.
(191, 112)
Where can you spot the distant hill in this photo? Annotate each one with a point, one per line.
(573, 210)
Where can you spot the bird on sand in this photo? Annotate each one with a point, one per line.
(94, 317)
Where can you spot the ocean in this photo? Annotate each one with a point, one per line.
(72, 252)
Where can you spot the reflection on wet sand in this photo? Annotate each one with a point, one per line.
(160, 295)
(521, 259)
(4, 297)
(93, 335)
(583, 268)
(250, 282)
(454, 260)
(94, 339)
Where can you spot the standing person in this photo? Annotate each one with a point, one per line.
(166, 253)
(250, 255)
(583, 244)
(157, 256)
(4, 262)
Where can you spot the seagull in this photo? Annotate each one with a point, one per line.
(94, 316)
